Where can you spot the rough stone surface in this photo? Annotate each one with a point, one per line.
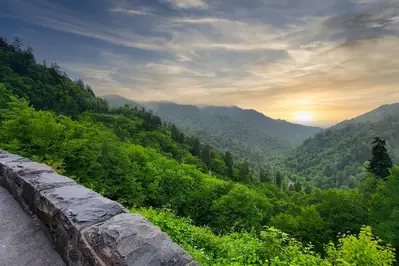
(32, 184)
(130, 239)
(23, 240)
(67, 210)
(5, 159)
(13, 167)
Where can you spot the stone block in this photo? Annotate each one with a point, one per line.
(6, 180)
(15, 172)
(130, 239)
(67, 210)
(29, 186)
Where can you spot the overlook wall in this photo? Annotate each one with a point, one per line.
(86, 228)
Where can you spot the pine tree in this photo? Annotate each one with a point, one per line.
(297, 186)
(279, 180)
(228, 160)
(381, 162)
(244, 173)
(308, 189)
(206, 156)
(195, 147)
(264, 175)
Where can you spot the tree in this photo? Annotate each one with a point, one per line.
(228, 160)
(364, 249)
(381, 162)
(17, 44)
(90, 90)
(195, 147)
(3, 42)
(297, 186)
(264, 175)
(206, 156)
(244, 173)
(308, 189)
(279, 179)
(80, 83)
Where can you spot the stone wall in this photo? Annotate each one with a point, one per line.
(86, 228)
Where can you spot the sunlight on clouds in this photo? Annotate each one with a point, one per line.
(284, 61)
(303, 117)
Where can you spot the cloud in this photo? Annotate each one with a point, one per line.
(171, 68)
(186, 4)
(129, 11)
(277, 57)
(370, 24)
(204, 20)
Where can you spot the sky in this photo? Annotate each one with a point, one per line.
(314, 62)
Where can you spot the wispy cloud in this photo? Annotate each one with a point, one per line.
(129, 11)
(186, 4)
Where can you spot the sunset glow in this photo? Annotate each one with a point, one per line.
(276, 57)
(303, 117)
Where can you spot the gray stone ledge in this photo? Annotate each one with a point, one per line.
(69, 209)
(86, 228)
(130, 239)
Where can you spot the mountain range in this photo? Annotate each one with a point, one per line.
(247, 133)
(333, 157)
(336, 156)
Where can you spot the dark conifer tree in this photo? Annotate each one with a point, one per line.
(228, 160)
(381, 162)
(279, 179)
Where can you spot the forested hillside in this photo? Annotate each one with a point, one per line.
(246, 133)
(336, 156)
(286, 131)
(373, 116)
(207, 201)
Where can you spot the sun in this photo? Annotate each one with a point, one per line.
(303, 117)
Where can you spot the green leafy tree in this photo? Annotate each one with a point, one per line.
(381, 162)
(364, 249)
(384, 212)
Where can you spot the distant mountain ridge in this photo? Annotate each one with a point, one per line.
(273, 127)
(248, 133)
(372, 116)
(335, 157)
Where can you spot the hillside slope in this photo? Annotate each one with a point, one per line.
(335, 157)
(373, 116)
(247, 133)
(282, 129)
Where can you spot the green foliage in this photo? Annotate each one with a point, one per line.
(269, 247)
(336, 157)
(381, 163)
(47, 88)
(384, 208)
(364, 249)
